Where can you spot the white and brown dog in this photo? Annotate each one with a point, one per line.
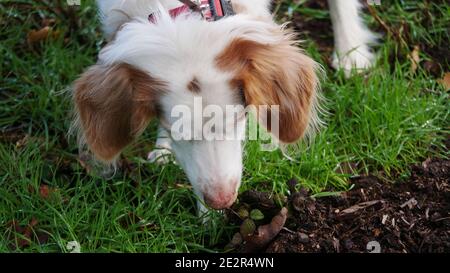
(150, 66)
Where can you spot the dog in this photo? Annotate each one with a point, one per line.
(162, 54)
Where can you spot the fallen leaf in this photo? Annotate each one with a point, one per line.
(22, 142)
(26, 139)
(426, 163)
(411, 203)
(183, 186)
(302, 202)
(303, 238)
(266, 233)
(35, 36)
(415, 58)
(445, 81)
(146, 226)
(353, 209)
(44, 191)
(336, 245)
(26, 232)
(376, 232)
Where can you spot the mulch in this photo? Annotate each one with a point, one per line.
(409, 216)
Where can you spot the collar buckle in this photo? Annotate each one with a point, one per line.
(211, 10)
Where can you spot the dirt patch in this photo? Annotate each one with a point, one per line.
(307, 26)
(408, 216)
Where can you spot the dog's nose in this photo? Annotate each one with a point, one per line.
(220, 201)
(221, 197)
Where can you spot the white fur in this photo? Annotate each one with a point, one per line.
(351, 37)
(115, 13)
(163, 148)
(256, 8)
(177, 50)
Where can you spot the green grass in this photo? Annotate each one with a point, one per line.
(382, 121)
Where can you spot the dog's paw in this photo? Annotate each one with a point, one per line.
(160, 156)
(356, 60)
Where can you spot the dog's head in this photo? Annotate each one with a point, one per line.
(150, 69)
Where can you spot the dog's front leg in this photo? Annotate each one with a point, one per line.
(352, 37)
(162, 152)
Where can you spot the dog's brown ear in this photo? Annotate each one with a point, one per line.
(114, 104)
(275, 74)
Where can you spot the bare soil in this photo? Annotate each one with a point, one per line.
(409, 216)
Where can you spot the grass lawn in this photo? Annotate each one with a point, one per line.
(379, 122)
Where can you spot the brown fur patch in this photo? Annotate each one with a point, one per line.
(194, 86)
(275, 74)
(114, 104)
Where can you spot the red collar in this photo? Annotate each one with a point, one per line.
(211, 10)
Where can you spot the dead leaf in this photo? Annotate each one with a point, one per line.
(146, 226)
(26, 139)
(26, 232)
(415, 58)
(266, 233)
(45, 191)
(376, 232)
(35, 36)
(445, 81)
(183, 186)
(426, 163)
(353, 209)
(336, 245)
(411, 203)
(22, 142)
